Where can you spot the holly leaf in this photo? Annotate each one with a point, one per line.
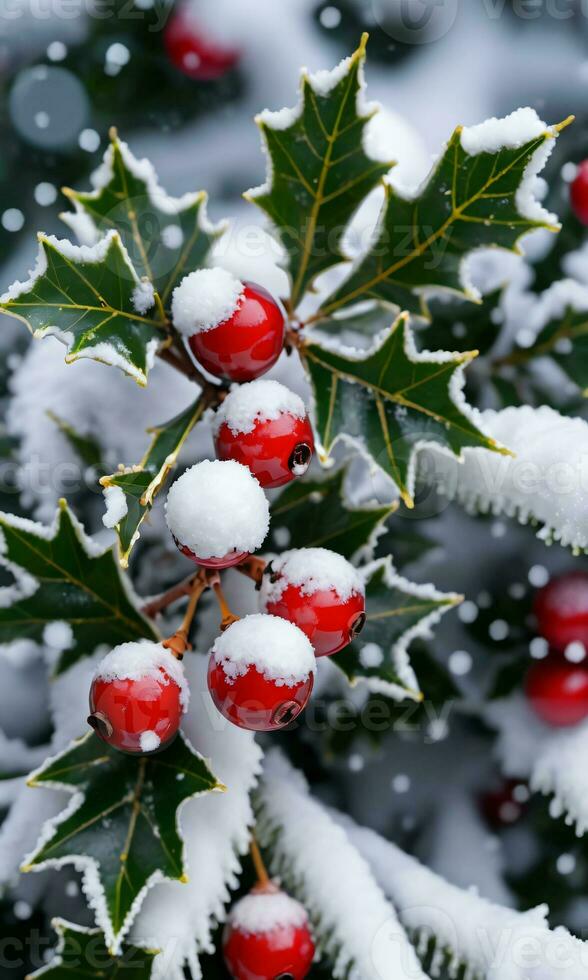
(122, 826)
(319, 172)
(93, 301)
(316, 514)
(60, 575)
(472, 198)
(397, 612)
(565, 340)
(391, 401)
(82, 952)
(85, 446)
(140, 484)
(165, 237)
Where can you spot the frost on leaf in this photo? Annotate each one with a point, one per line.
(391, 402)
(121, 828)
(86, 297)
(179, 919)
(82, 952)
(166, 237)
(319, 169)
(62, 576)
(357, 930)
(458, 930)
(139, 484)
(543, 482)
(317, 514)
(398, 611)
(479, 193)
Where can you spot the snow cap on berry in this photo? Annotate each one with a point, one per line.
(311, 570)
(262, 911)
(276, 648)
(216, 507)
(204, 299)
(256, 401)
(140, 659)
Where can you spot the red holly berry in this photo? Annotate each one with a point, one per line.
(579, 193)
(561, 608)
(217, 513)
(193, 52)
(235, 329)
(265, 426)
(504, 806)
(558, 692)
(260, 674)
(320, 592)
(267, 937)
(137, 697)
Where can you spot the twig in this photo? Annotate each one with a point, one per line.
(227, 616)
(253, 568)
(161, 602)
(263, 879)
(178, 643)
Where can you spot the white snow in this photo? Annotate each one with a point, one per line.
(354, 924)
(180, 918)
(275, 647)
(204, 299)
(261, 400)
(575, 264)
(264, 911)
(511, 132)
(58, 635)
(543, 482)
(311, 570)
(142, 659)
(116, 506)
(216, 507)
(150, 741)
(143, 296)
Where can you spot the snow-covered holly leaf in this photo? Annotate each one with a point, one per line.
(130, 491)
(316, 514)
(479, 193)
(565, 340)
(64, 582)
(82, 953)
(391, 400)
(122, 826)
(397, 612)
(166, 237)
(92, 300)
(319, 171)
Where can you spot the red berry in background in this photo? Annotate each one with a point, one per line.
(504, 806)
(264, 426)
(267, 937)
(561, 609)
(234, 329)
(193, 52)
(137, 697)
(579, 193)
(261, 673)
(558, 692)
(319, 591)
(217, 513)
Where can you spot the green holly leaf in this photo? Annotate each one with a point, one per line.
(93, 301)
(123, 826)
(397, 612)
(166, 237)
(319, 170)
(82, 953)
(391, 401)
(85, 446)
(140, 484)
(62, 576)
(565, 340)
(471, 199)
(316, 514)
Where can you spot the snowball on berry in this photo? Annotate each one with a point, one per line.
(137, 697)
(261, 672)
(265, 426)
(235, 329)
(319, 591)
(267, 936)
(194, 51)
(217, 513)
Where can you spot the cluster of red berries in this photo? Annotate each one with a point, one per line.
(557, 686)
